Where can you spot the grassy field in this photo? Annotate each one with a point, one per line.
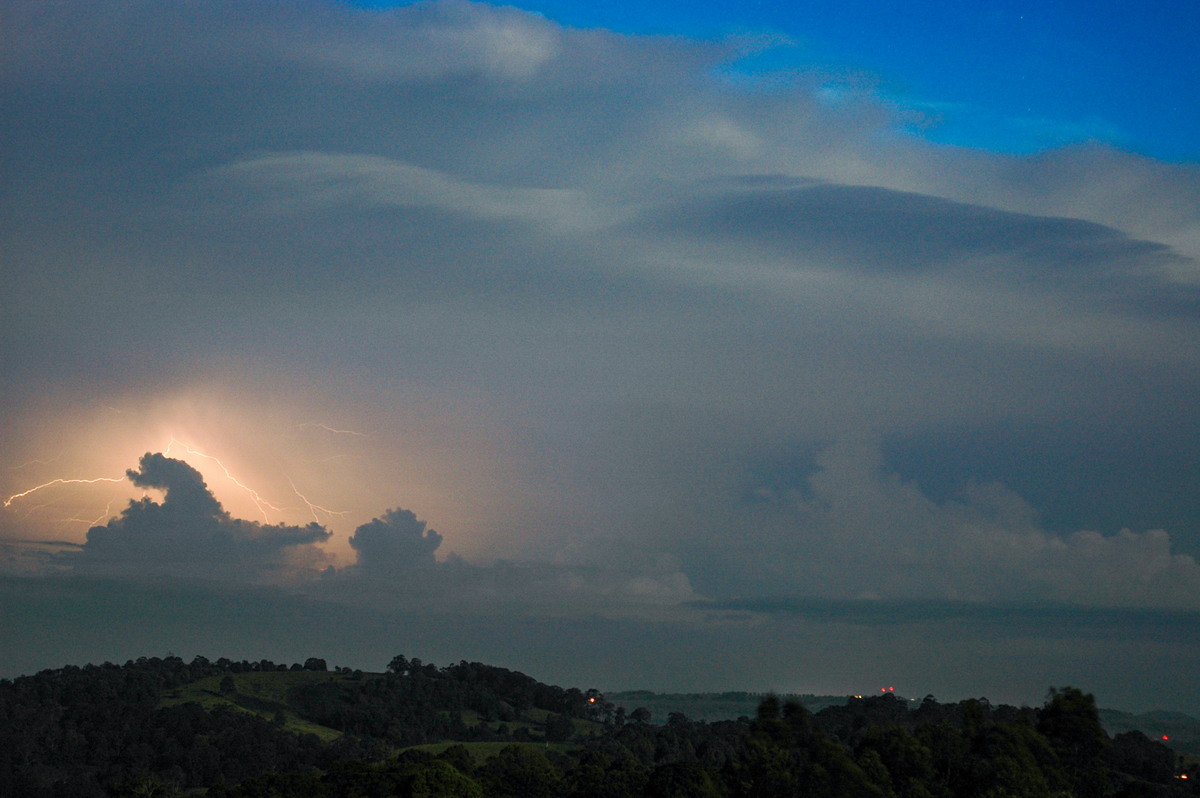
(262, 693)
(265, 693)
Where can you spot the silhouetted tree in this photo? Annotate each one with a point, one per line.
(1070, 721)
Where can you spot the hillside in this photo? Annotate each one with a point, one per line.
(1182, 732)
(223, 728)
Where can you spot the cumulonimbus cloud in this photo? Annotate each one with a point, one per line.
(188, 534)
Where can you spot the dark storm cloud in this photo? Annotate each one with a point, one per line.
(185, 493)
(188, 534)
(394, 544)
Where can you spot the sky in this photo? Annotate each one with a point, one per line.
(644, 346)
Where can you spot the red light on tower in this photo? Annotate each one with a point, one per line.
(1165, 737)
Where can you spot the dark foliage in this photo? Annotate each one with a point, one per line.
(78, 731)
(102, 730)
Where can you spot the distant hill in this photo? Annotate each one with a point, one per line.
(1181, 732)
(712, 706)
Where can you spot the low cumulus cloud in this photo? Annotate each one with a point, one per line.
(189, 534)
(855, 530)
(396, 568)
(390, 546)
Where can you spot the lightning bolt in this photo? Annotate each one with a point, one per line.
(15, 496)
(33, 509)
(328, 428)
(32, 462)
(175, 444)
(258, 500)
(313, 508)
(93, 521)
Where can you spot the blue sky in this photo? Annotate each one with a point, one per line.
(1005, 75)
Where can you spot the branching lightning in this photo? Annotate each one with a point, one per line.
(33, 509)
(32, 462)
(52, 482)
(313, 508)
(258, 500)
(91, 522)
(328, 428)
(174, 447)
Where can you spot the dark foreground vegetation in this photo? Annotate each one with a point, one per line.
(166, 727)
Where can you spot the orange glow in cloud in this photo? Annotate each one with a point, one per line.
(262, 504)
(275, 462)
(171, 449)
(240, 453)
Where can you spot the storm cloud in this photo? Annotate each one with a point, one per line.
(394, 544)
(189, 534)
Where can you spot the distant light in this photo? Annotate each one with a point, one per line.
(1165, 737)
(592, 700)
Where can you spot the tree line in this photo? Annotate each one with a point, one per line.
(107, 730)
